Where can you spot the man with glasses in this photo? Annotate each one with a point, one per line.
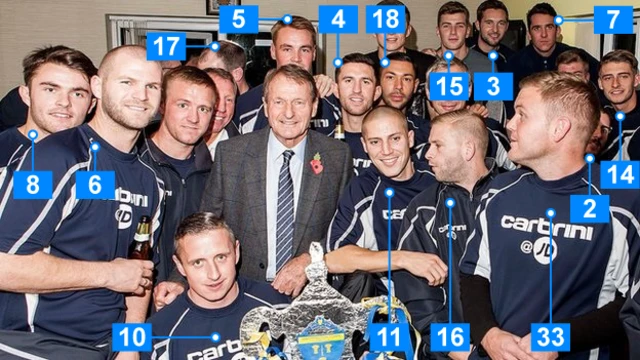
(600, 135)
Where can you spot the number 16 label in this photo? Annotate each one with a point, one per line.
(550, 337)
(493, 86)
(450, 337)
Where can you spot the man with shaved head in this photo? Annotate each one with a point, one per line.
(458, 143)
(128, 91)
(358, 235)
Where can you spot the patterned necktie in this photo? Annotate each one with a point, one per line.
(284, 222)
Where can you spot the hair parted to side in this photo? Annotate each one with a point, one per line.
(490, 5)
(566, 94)
(199, 223)
(540, 8)
(224, 74)
(298, 23)
(407, 13)
(442, 64)
(59, 55)
(468, 123)
(623, 56)
(231, 54)
(294, 73)
(571, 56)
(453, 7)
(189, 74)
(359, 58)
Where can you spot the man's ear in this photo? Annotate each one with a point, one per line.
(237, 251)
(94, 101)
(272, 50)
(179, 266)
(409, 30)
(96, 86)
(25, 95)
(265, 107)
(377, 93)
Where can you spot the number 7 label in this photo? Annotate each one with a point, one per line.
(613, 19)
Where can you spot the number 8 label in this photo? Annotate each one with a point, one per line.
(493, 86)
(33, 185)
(239, 19)
(589, 209)
(95, 185)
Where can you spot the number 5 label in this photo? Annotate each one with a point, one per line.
(239, 19)
(613, 19)
(95, 185)
(33, 185)
(550, 337)
(163, 46)
(449, 86)
(493, 86)
(338, 19)
(449, 337)
(589, 209)
(131, 337)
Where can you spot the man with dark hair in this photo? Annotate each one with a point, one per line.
(458, 143)
(57, 91)
(542, 52)
(618, 80)
(177, 153)
(504, 264)
(600, 136)
(206, 253)
(492, 23)
(358, 90)
(128, 90)
(293, 43)
(229, 57)
(396, 43)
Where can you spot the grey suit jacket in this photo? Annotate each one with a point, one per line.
(237, 185)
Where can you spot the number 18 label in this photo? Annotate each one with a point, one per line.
(550, 337)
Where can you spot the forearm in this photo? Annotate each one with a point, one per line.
(476, 305)
(44, 273)
(137, 307)
(351, 258)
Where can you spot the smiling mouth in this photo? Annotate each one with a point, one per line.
(136, 108)
(61, 115)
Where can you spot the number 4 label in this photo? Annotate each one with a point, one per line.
(550, 337)
(450, 337)
(613, 19)
(96, 185)
(338, 19)
(131, 337)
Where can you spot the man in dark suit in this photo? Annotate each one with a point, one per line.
(278, 187)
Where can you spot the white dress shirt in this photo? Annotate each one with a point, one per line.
(274, 163)
(222, 135)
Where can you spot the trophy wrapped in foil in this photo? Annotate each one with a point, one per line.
(318, 325)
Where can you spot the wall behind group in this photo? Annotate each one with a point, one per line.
(29, 24)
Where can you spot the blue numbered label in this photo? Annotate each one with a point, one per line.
(620, 174)
(166, 46)
(338, 19)
(613, 19)
(450, 337)
(239, 19)
(131, 337)
(589, 209)
(449, 86)
(550, 337)
(390, 337)
(385, 19)
(493, 86)
(33, 185)
(96, 185)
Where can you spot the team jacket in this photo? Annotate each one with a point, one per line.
(509, 247)
(184, 318)
(425, 228)
(630, 135)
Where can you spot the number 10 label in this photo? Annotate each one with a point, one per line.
(131, 337)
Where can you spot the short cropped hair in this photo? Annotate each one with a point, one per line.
(59, 55)
(231, 54)
(387, 112)
(490, 5)
(291, 72)
(623, 56)
(298, 23)
(407, 14)
(224, 74)
(567, 94)
(190, 74)
(540, 8)
(571, 56)
(400, 56)
(441, 64)
(359, 58)
(469, 123)
(199, 223)
(453, 7)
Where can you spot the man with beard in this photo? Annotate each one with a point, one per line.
(618, 80)
(358, 89)
(58, 94)
(492, 23)
(177, 152)
(600, 135)
(221, 127)
(128, 91)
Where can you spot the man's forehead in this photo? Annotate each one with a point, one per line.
(57, 71)
(399, 67)
(356, 70)
(453, 18)
(290, 37)
(616, 67)
(541, 19)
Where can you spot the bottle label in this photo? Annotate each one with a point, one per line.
(338, 133)
(141, 237)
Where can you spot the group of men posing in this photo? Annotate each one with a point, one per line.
(232, 213)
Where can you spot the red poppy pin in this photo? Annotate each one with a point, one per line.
(316, 164)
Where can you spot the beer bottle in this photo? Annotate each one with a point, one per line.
(338, 133)
(141, 247)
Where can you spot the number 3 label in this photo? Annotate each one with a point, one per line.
(493, 86)
(550, 337)
(239, 19)
(589, 209)
(95, 185)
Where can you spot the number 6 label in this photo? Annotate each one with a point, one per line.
(493, 86)
(550, 337)
(131, 337)
(589, 209)
(239, 19)
(95, 185)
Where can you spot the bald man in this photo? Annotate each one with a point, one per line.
(357, 238)
(458, 143)
(128, 91)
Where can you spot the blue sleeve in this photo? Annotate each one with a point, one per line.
(630, 316)
(347, 226)
(475, 260)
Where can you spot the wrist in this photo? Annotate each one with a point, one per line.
(101, 274)
(398, 260)
(488, 337)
